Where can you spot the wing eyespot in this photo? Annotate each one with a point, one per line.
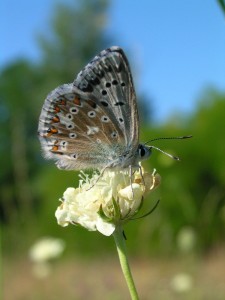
(74, 156)
(69, 116)
(70, 125)
(74, 110)
(105, 119)
(114, 134)
(72, 135)
(91, 114)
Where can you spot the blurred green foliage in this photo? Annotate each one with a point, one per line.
(192, 191)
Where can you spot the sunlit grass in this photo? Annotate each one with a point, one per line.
(101, 278)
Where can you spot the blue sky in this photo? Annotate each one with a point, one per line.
(176, 48)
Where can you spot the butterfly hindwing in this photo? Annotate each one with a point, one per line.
(76, 132)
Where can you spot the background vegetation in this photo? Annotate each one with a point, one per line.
(191, 214)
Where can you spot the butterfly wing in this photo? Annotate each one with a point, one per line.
(76, 132)
(108, 78)
(94, 121)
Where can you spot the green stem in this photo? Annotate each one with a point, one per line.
(121, 249)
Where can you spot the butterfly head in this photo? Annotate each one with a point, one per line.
(143, 152)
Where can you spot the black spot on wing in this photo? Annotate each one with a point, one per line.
(119, 103)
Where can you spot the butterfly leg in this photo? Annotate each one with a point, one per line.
(131, 173)
(142, 177)
(100, 175)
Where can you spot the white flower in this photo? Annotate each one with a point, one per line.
(186, 239)
(182, 282)
(102, 202)
(46, 249)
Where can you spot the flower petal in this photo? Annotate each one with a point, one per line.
(105, 227)
(132, 192)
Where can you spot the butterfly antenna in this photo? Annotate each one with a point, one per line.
(168, 154)
(170, 138)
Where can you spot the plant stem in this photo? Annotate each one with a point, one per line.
(121, 249)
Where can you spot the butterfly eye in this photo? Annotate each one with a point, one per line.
(142, 151)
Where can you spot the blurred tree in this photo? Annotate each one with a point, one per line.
(193, 190)
(75, 35)
(208, 168)
(18, 85)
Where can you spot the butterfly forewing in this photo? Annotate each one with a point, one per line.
(108, 78)
(94, 121)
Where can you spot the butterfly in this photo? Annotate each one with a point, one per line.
(93, 122)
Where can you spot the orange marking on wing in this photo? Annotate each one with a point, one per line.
(57, 109)
(62, 102)
(55, 148)
(51, 131)
(77, 101)
(55, 119)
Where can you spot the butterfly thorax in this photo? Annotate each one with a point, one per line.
(132, 158)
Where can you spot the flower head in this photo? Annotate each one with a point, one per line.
(102, 202)
(46, 249)
(42, 253)
(182, 282)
